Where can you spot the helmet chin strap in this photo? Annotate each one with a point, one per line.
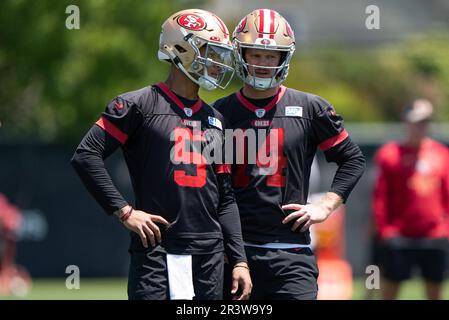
(207, 83)
(202, 81)
(260, 83)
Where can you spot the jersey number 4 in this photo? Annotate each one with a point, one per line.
(274, 141)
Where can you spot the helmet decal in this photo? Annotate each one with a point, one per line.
(191, 21)
(267, 20)
(222, 26)
(241, 25)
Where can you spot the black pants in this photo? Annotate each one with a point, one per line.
(279, 274)
(400, 255)
(148, 276)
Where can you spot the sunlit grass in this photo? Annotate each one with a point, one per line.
(115, 289)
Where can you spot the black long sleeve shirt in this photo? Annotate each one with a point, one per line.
(161, 136)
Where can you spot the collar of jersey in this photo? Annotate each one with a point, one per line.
(172, 96)
(270, 105)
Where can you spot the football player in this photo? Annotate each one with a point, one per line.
(289, 127)
(185, 214)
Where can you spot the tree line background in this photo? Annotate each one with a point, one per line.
(55, 82)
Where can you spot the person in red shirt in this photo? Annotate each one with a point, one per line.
(10, 219)
(411, 205)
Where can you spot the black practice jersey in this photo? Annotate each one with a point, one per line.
(290, 127)
(162, 139)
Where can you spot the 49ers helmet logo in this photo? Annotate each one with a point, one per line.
(191, 21)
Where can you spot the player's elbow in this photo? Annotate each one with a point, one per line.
(361, 161)
(79, 160)
(355, 158)
(76, 161)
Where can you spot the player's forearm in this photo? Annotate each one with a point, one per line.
(330, 202)
(229, 219)
(351, 165)
(232, 234)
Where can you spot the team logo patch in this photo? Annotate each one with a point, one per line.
(191, 21)
(261, 123)
(260, 113)
(331, 111)
(265, 41)
(188, 112)
(215, 122)
(293, 111)
(118, 105)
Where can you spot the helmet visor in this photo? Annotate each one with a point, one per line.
(217, 61)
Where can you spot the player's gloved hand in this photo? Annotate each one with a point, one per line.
(241, 282)
(306, 215)
(144, 224)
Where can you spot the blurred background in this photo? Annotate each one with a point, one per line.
(55, 82)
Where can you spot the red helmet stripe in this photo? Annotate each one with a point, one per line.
(272, 18)
(261, 23)
(223, 27)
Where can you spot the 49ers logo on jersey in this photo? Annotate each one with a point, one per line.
(191, 21)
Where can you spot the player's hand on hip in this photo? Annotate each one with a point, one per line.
(144, 224)
(305, 215)
(241, 282)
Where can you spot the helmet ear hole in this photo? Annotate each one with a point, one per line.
(180, 49)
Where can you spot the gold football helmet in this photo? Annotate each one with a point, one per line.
(198, 43)
(263, 29)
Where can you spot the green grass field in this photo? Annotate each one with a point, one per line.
(115, 289)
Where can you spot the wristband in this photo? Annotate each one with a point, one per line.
(241, 266)
(126, 215)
